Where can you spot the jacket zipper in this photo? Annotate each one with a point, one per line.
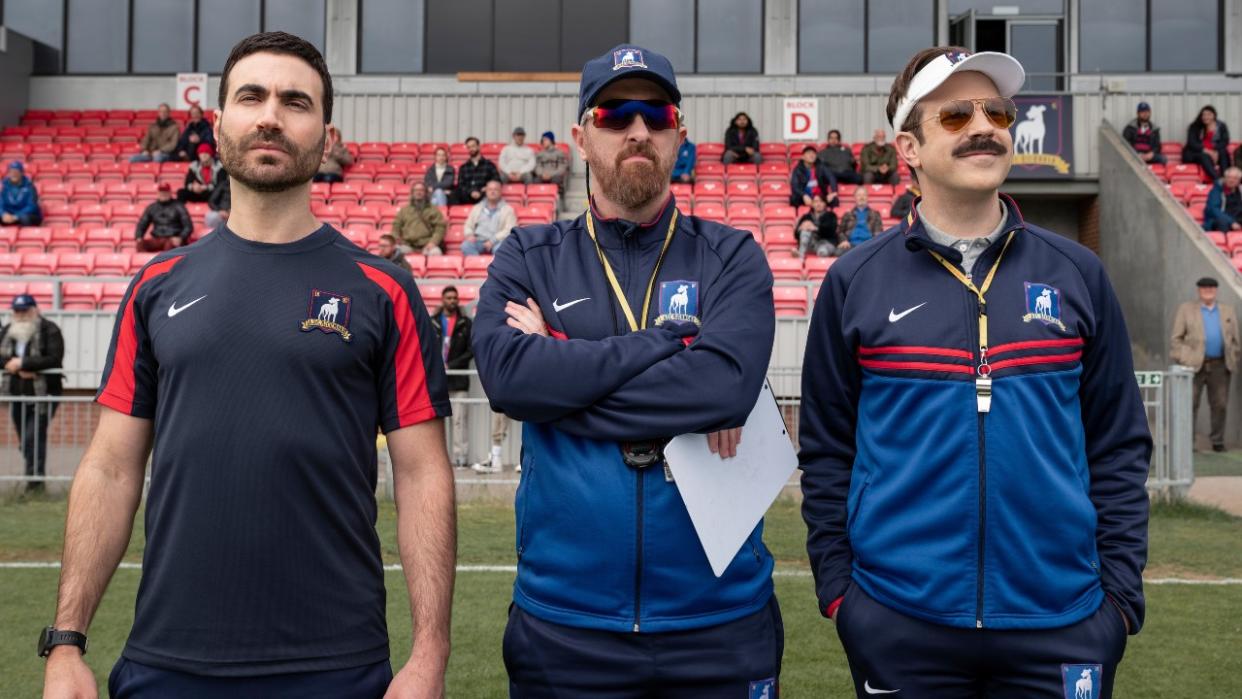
(630, 242)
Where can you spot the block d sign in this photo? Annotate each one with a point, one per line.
(801, 119)
(191, 90)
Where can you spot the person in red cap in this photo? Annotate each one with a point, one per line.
(201, 176)
(165, 223)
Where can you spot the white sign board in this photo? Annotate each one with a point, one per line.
(191, 90)
(801, 119)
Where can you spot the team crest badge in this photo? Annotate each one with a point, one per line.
(1081, 681)
(763, 689)
(679, 302)
(328, 312)
(1043, 303)
(627, 58)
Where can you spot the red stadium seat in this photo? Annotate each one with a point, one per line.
(709, 210)
(709, 150)
(344, 193)
(785, 266)
(771, 191)
(32, 239)
(355, 236)
(418, 265)
(80, 296)
(779, 237)
(112, 295)
(41, 263)
(8, 234)
(475, 266)
(444, 266)
(112, 264)
(1233, 241)
(10, 262)
(11, 288)
(817, 267)
(789, 300)
(43, 292)
(709, 169)
(431, 294)
(467, 294)
(66, 239)
(128, 214)
(378, 193)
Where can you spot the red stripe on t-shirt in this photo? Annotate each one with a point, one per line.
(1037, 359)
(916, 366)
(905, 349)
(413, 398)
(118, 393)
(1035, 344)
(557, 334)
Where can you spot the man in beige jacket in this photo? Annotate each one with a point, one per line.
(489, 223)
(160, 140)
(1205, 338)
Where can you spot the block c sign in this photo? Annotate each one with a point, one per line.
(801, 119)
(191, 90)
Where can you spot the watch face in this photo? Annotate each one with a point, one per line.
(44, 637)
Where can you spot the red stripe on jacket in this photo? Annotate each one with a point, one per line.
(902, 349)
(916, 366)
(118, 393)
(413, 398)
(1036, 359)
(1034, 344)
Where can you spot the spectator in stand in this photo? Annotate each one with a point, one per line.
(741, 141)
(219, 203)
(1205, 338)
(420, 225)
(1224, 205)
(489, 223)
(201, 176)
(168, 223)
(879, 160)
(551, 163)
(439, 178)
(1207, 143)
(1144, 136)
(859, 224)
(19, 200)
(197, 132)
(332, 169)
(817, 229)
(31, 346)
(517, 160)
(389, 251)
(474, 174)
(840, 159)
(683, 169)
(160, 142)
(902, 205)
(453, 332)
(810, 179)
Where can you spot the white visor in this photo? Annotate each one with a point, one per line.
(1004, 70)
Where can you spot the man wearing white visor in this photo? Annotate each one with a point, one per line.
(973, 442)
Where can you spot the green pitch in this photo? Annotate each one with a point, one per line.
(1189, 647)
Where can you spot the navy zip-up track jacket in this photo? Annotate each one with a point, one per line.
(600, 544)
(1021, 517)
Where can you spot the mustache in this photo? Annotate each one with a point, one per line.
(645, 149)
(980, 144)
(267, 138)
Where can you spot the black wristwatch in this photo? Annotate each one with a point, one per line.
(50, 637)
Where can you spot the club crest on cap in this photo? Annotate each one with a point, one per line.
(627, 58)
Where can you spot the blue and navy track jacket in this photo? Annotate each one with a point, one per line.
(1021, 517)
(600, 544)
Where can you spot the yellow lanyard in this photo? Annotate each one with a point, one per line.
(612, 277)
(983, 382)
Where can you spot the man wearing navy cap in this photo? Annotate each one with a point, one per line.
(30, 346)
(1144, 136)
(607, 335)
(19, 200)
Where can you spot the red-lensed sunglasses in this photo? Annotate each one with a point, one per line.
(617, 115)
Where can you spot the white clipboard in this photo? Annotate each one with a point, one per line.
(726, 498)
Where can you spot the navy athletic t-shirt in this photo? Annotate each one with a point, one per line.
(267, 369)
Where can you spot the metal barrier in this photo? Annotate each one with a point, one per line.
(1168, 397)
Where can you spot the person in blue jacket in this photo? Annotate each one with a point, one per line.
(1223, 211)
(683, 169)
(606, 336)
(973, 444)
(19, 200)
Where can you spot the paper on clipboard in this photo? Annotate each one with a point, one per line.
(726, 498)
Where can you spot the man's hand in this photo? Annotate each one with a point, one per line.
(1212, 154)
(725, 442)
(8, 218)
(1235, 226)
(67, 676)
(14, 365)
(419, 679)
(685, 178)
(750, 151)
(475, 194)
(487, 245)
(843, 245)
(528, 318)
(1147, 156)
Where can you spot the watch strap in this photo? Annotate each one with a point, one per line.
(58, 637)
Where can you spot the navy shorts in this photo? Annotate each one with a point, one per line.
(132, 680)
(736, 660)
(891, 652)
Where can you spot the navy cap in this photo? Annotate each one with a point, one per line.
(1207, 281)
(1143, 107)
(625, 61)
(23, 301)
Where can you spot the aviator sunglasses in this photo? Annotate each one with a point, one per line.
(617, 115)
(954, 115)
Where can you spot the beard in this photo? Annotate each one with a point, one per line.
(263, 177)
(23, 330)
(631, 185)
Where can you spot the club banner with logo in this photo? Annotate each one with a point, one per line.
(1043, 138)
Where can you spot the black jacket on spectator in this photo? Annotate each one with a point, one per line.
(46, 350)
(837, 158)
(221, 198)
(1194, 143)
(738, 140)
(203, 129)
(460, 353)
(826, 226)
(901, 205)
(801, 175)
(1141, 141)
(445, 183)
(169, 218)
(472, 177)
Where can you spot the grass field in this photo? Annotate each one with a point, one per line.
(1190, 647)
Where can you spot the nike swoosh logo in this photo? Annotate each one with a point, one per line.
(173, 310)
(894, 316)
(558, 307)
(871, 690)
